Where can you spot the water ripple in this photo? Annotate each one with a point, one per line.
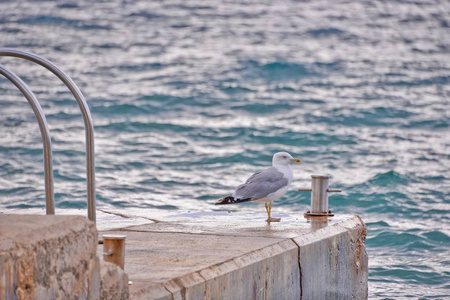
(189, 98)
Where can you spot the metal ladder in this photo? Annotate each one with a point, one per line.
(43, 126)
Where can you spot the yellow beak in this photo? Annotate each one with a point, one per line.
(297, 160)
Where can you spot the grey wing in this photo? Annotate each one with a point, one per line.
(261, 184)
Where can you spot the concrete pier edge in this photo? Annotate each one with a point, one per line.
(224, 255)
(326, 259)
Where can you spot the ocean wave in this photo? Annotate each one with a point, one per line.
(189, 99)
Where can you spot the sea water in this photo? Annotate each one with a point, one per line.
(189, 98)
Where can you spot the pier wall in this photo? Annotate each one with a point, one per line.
(173, 255)
(334, 262)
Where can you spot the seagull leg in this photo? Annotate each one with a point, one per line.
(270, 219)
(267, 210)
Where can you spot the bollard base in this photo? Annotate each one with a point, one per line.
(318, 214)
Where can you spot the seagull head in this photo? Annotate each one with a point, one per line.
(284, 158)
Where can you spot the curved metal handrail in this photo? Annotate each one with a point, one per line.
(89, 127)
(45, 133)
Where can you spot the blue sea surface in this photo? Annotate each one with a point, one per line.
(191, 97)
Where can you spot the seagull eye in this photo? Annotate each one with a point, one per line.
(284, 156)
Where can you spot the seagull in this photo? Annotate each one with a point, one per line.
(266, 185)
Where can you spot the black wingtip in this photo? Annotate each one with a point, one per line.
(226, 200)
(231, 200)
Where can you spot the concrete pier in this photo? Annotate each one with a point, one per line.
(222, 255)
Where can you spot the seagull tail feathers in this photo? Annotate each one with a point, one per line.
(231, 200)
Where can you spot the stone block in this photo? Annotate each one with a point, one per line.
(48, 257)
(114, 282)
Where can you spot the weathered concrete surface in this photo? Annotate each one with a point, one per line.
(190, 266)
(114, 282)
(238, 256)
(333, 262)
(48, 257)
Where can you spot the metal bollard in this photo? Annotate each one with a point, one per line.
(114, 249)
(319, 195)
